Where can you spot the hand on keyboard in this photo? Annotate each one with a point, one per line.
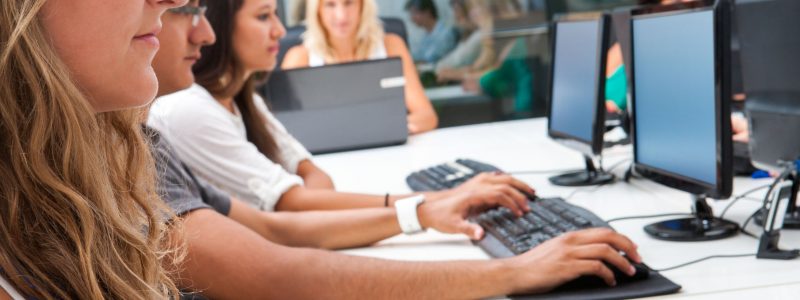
(571, 255)
(450, 214)
(496, 178)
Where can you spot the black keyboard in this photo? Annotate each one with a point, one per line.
(507, 235)
(548, 218)
(447, 175)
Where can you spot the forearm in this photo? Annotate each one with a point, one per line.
(255, 268)
(346, 277)
(424, 120)
(331, 229)
(314, 177)
(303, 199)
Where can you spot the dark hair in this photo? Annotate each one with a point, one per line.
(423, 5)
(222, 74)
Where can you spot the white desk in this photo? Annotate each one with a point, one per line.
(524, 146)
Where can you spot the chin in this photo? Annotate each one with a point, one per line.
(141, 94)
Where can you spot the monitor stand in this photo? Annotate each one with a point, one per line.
(792, 218)
(587, 177)
(702, 227)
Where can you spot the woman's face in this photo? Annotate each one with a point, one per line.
(256, 35)
(108, 46)
(340, 17)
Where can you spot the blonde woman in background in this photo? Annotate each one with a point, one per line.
(341, 31)
(79, 216)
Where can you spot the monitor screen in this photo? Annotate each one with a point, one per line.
(675, 97)
(575, 78)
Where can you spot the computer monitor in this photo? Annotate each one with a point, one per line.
(769, 55)
(681, 110)
(576, 114)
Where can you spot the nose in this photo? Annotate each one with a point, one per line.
(167, 4)
(279, 31)
(161, 6)
(203, 34)
(340, 13)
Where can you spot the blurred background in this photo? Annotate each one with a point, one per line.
(479, 60)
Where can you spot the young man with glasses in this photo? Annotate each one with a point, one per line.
(234, 252)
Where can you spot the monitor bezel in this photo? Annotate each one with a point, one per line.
(595, 146)
(724, 143)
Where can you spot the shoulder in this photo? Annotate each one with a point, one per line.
(394, 44)
(181, 110)
(296, 57)
(392, 40)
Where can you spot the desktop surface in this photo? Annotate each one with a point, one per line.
(523, 145)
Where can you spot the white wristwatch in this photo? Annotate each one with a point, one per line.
(407, 214)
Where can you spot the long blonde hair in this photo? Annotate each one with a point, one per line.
(369, 34)
(79, 217)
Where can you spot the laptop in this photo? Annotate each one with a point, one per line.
(341, 107)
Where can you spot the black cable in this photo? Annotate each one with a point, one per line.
(703, 259)
(648, 217)
(587, 190)
(534, 172)
(772, 186)
(740, 197)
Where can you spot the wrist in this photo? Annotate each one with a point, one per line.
(504, 276)
(424, 215)
(408, 214)
(439, 195)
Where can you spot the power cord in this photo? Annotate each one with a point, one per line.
(535, 172)
(586, 190)
(703, 259)
(740, 197)
(743, 228)
(648, 217)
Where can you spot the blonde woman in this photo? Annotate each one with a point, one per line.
(78, 213)
(342, 31)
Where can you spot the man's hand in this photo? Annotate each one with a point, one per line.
(569, 256)
(487, 180)
(450, 214)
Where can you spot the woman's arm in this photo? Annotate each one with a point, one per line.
(421, 116)
(300, 198)
(362, 227)
(255, 268)
(313, 176)
(296, 57)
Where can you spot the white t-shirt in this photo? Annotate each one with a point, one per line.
(316, 60)
(465, 53)
(10, 290)
(213, 143)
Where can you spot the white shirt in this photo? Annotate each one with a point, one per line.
(316, 60)
(213, 143)
(465, 53)
(10, 290)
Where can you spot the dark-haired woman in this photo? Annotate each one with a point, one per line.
(226, 134)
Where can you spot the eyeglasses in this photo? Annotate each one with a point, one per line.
(195, 11)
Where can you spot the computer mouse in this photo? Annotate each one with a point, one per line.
(592, 282)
